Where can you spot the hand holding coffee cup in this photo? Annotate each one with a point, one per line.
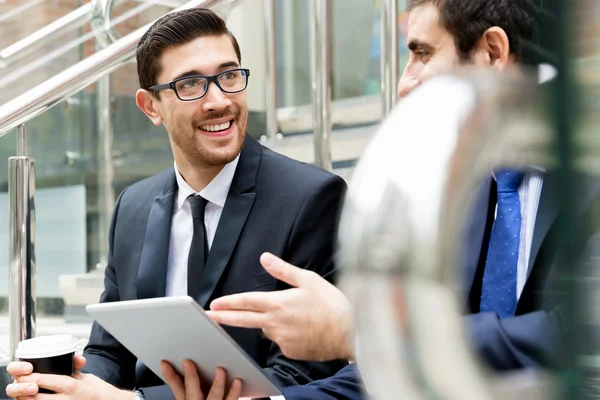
(48, 365)
(45, 355)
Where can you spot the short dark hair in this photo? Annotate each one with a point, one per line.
(467, 20)
(176, 29)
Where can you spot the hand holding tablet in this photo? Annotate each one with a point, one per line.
(190, 388)
(177, 329)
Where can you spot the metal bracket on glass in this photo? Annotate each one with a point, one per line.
(101, 22)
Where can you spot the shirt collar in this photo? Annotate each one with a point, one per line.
(529, 170)
(215, 192)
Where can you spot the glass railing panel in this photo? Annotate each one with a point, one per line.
(37, 13)
(38, 67)
(17, 76)
(58, 143)
(356, 59)
(143, 11)
(65, 143)
(70, 238)
(72, 46)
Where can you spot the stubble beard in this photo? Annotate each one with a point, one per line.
(194, 148)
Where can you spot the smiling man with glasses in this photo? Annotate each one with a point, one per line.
(199, 228)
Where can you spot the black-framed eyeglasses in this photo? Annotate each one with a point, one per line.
(194, 87)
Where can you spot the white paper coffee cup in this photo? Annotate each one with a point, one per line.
(49, 354)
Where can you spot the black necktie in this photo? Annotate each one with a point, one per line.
(199, 247)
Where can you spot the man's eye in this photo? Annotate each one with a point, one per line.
(191, 83)
(229, 75)
(422, 55)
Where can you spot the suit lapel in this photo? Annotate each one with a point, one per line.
(584, 188)
(237, 208)
(475, 232)
(152, 272)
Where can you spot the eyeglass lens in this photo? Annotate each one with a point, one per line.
(229, 82)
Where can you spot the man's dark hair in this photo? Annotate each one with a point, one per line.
(176, 29)
(467, 20)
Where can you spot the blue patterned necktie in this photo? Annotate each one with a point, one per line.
(498, 293)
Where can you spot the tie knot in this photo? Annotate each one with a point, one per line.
(198, 204)
(508, 180)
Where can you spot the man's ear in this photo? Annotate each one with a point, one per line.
(494, 42)
(148, 104)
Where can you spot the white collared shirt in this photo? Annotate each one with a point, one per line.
(182, 227)
(529, 199)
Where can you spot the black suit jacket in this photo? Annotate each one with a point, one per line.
(275, 204)
(531, 337)
(345, 385)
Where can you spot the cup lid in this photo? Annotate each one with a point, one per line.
(46, 346)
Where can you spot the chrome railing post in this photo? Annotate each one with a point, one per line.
(271, 100)
(105, 36)
(21, 296)
(389, 54)
(321, 77)
(106, 195)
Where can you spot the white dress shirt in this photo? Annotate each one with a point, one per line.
(182, 227)
(529, 198)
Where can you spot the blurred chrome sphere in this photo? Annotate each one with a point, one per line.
(402, 222)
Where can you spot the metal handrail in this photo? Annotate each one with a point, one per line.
(73, 20)
(62, 86)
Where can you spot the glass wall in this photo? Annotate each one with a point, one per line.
(355, 52)
(23, 72)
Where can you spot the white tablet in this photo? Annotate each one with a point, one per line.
(175, 329)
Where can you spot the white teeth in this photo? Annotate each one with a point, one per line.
(216, 128)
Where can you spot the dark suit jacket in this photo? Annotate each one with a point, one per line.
(275, 204)
(531, 337)
(345, 385)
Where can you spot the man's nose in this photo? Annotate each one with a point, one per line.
(407, 84)
(215, 99)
